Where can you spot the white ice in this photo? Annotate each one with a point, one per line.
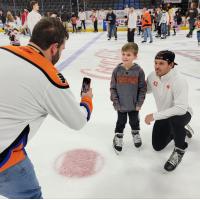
(135, 173)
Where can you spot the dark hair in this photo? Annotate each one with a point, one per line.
(166, 55)
(47, 31)
(32, 3)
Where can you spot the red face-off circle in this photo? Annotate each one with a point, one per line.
(79, 163)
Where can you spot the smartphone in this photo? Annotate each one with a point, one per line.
(85, 85)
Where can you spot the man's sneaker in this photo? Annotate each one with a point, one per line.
(118, 142)
(174, 159)
(189, 131)
(144, 41)
(136, 138)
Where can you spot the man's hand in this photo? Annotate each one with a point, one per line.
(89, 93)
(149, 118)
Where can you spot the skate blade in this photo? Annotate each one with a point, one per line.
(117, 152)
(191, 131)
(138, 148)
(164, 171)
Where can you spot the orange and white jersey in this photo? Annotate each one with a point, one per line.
(31, 88)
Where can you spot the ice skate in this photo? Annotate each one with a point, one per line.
(118, 143)
(189, 131)
(174, 159)
(136, 138)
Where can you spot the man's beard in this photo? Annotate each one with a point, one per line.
(55, 58)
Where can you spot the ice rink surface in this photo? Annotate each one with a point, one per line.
(134, 173)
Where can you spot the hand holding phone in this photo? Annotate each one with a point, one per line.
(85, 85)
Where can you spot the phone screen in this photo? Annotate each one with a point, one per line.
(85, 85)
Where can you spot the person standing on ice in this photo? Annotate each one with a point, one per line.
(132, 23)
(164, 22)
(128, 90)
(82, 17)
(34, 16)
(32, 88)
(191, 16)
(170, 91)
(197, 24)
(111, 20)
(146, 25)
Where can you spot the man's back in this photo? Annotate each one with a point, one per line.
(32, 88)
(22, 97)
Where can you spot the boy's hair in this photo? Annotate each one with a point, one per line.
(131, 46)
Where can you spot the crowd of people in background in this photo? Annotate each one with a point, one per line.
(161, 20)
(128, 86)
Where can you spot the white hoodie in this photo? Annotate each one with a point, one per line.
(170, 93)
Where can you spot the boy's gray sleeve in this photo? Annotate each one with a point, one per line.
(142, 88)
(113, 91)
(149, 89)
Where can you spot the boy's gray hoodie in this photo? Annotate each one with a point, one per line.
(128, 88)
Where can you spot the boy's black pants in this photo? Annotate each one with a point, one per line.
(169, 129)
(122, 119)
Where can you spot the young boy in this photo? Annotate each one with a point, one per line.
(164, 22)
(198, 29)
(128, 90)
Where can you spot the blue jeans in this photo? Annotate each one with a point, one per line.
(20, 182)
(147, 33)
(163, 29)
(112, 29)
(191, 26)
(198, 36)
